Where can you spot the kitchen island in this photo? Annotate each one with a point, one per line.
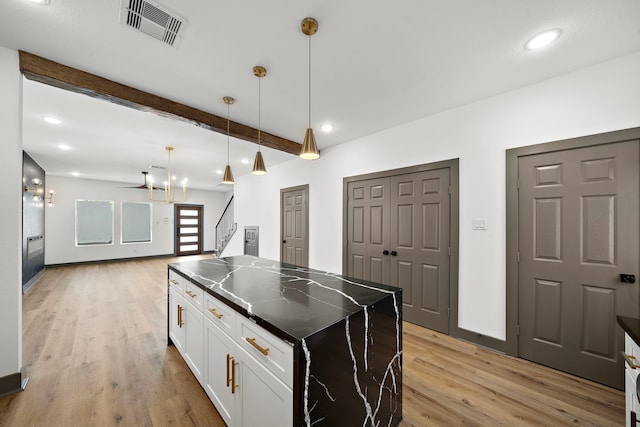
(278, 345)
(631, 328)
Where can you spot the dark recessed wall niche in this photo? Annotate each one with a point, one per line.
(32, 224)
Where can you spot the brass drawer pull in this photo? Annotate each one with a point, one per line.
(229, 358)
(180, 322)
(631, 360)
(215, 313)
(234, 386)
(191, 294)
(252, 341)
(175, 282)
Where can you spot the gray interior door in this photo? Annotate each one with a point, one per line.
(251, 241)
(368, 219)
(294, 217)
(398, 233)
(419, 242)
(578, 231)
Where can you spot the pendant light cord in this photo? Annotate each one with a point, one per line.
(309, 80)
(259, 92)
(227, 134)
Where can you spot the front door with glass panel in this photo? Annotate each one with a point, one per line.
(188, 230)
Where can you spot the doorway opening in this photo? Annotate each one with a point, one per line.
(401, 229)
(188, 225)
(572, 230)
(251, 240)
(294, 225)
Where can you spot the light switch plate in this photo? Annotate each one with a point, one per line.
(479, 224)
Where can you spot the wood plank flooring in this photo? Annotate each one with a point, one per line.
(94, 344)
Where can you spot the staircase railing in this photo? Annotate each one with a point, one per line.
(225, 228)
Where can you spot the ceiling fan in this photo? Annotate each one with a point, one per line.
(145, 186)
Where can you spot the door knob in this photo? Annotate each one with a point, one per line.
(394, 253)
(628, 278)
(385, 252)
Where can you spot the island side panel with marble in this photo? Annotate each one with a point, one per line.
(351, 372)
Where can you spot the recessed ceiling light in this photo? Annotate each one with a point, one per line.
(64, 147)
(327, 127)
(219, 172)
(42, 2)
(75, 173)
(244, 161)
(543, 39)
(52, 120)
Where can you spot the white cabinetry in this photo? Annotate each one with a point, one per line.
(186, 323)
(631, 371)
(263, 399)
(246, 390)
(246, 371)
(176, 330)
(217, 372)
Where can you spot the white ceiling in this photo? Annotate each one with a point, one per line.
(375, 64)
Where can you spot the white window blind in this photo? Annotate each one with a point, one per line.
(94, 222)
(136, 222)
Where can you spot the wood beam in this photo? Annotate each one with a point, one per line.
(55, 74)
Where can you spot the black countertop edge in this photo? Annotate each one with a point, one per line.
(631, 326)
(241, 310)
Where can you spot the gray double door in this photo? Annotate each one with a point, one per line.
(398, 234)
(578, 232)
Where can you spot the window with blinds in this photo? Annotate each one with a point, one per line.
(136, 222)
(94, 222)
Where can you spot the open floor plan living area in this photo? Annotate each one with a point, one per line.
(311, 213)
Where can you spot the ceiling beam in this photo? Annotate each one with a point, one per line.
(55, 74)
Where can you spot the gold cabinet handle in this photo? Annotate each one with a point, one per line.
(191, 294)
(175, 282)
(180, 322)
(234, 386)
(252, 341)
(229, 359)
(631, 360)
(215, 313)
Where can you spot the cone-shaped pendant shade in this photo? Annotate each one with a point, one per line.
(258, 165)
(227, 178)
(309, 148)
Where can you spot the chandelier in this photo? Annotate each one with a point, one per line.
(169, 185)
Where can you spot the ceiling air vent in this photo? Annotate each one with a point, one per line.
(152, 19)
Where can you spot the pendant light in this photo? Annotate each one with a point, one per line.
(258, 165)
(309, 149)
(227, 178)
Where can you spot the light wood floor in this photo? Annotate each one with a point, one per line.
(95, 349)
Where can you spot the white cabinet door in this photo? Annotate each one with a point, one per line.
(194, 350)
(219, 349)
(264, 399)
(176, 327)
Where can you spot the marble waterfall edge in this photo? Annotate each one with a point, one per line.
(346, 333)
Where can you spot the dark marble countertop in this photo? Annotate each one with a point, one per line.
(631, 326)
(291, 302)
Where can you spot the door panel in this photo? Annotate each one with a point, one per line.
(420, 236)
(251, 241)
(188, 230)
(294, 216)
(367, 216)
(578, 231)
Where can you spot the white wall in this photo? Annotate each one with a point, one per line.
(10, 214)
(601, 98)
(60, 245)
